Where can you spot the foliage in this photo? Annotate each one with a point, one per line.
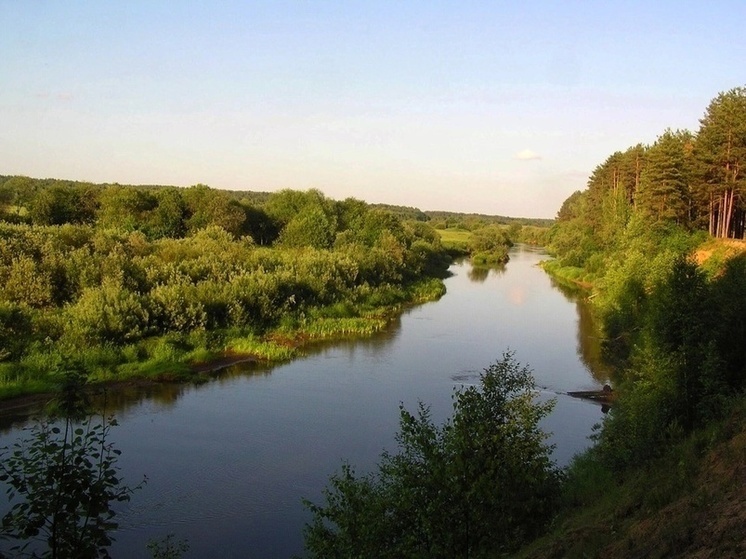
(666, 182)
(64, 204)
(156, 262)
(15, 329)
(489, 245)
(720, 152)
(311, 228)
(65, 480)
(691, 180)
(205, 207)
(480, 484)
(109, 313)
(676, 331)
(687, 363)
(167, 548)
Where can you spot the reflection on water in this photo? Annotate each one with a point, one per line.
(589, 333)
(589, 343)
(480, 273)
(229, 460)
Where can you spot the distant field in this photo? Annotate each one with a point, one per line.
(455, 239)
(454, 236)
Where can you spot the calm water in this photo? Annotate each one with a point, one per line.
(228, 462)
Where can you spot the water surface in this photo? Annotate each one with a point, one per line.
(228, 462)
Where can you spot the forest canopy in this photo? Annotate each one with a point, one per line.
(692, 180)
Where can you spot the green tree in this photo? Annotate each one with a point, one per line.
(108, 313)
(489, 245)
(20, 192)
(311, 227)
(206, 207)
(350, 212)
(729, 308)
(167, 219)
(478, 485)
(721, 153)
(15, 330)
(126, 207)
(665, 187)
(617, 179)
(306, 218)
(64, 481)
(682, 325)
(262, 228)
(61, 204)
(285, 204)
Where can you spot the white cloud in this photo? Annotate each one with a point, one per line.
(527, 155)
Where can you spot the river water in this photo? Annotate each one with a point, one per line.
(229, 461)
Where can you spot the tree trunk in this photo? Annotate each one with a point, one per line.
(712, 215)
(728, 212)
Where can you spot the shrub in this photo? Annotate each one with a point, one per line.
(478, 485)
(108, 313)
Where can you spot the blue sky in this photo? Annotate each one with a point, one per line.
(491, 107)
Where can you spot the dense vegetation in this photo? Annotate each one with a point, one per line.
(650, 235)
(684, 181)
(676, 327)
(136, 280)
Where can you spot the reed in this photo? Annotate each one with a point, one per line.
(266, 350)
(326, 328)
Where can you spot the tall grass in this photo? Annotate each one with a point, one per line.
(325, 328)
(263, 349)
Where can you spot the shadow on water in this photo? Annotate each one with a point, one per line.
(589, 331)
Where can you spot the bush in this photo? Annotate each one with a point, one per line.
(108, 313)
(478, 485)
(15, 330)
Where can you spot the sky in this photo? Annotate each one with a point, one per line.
(486, 107)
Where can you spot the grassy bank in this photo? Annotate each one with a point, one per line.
(178, 357)
(690, 502)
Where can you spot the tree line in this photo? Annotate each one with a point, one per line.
(694, 180)
(674, 327)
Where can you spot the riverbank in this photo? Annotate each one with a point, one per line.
(569, 275)
(691, 502)
(663, 481)
(191, 358)
(26, 404)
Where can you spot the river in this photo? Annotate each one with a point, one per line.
(229, 461)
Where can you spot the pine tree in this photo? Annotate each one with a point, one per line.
(664, 193)
(721, 155)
